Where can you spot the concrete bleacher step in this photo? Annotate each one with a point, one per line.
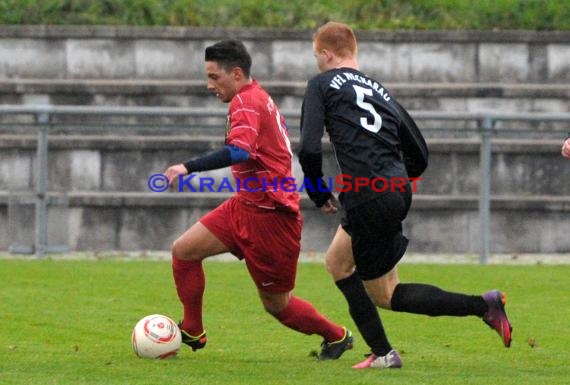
(446, 97)
(85, 91)
(148, 221)
(519, 166)
(101, 192)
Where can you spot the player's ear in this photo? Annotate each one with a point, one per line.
(329, 56)
(237, 73)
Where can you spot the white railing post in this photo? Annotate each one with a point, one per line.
(41, 184)
(486, 127)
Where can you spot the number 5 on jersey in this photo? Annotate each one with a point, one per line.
(361, 92)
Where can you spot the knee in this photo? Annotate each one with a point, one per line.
(182, 250)
(383, 300)
(176, 250)
(274, 303)
(381, 292)
(338, 268)
(272, 308)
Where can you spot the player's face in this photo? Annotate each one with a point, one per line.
(222, 83)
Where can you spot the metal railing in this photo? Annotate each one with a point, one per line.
(486, 122)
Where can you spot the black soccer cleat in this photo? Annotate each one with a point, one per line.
(333, 350)
(195, 342)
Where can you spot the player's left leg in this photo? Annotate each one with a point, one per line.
(388, 293)
(271, 253)
(302, 316)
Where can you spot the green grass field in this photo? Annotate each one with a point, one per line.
(69, 322)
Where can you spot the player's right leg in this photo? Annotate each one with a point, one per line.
(188, 251)
(197, 243)
(339, 262)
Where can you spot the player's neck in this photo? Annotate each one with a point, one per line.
(244, 82)
(347, 63)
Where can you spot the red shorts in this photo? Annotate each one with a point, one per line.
(268, 240)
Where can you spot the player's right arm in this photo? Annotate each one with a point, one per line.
(310, 152)
(224, 157)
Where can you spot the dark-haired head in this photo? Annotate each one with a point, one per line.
(230, 54)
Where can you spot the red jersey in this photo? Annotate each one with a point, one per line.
(255, 124)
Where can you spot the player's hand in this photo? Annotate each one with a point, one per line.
(330, 206)
(566, 148)
(173, 172)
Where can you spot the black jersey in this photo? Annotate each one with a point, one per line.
(362, 122)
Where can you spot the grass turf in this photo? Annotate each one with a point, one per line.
(69, 322)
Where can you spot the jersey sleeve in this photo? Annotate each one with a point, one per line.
(310, 153)
(244, 125)
(312, 130)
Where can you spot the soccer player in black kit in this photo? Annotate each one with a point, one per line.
(362, 120)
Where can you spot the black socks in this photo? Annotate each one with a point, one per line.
(364, 313)
(407, 297)
(430, 300)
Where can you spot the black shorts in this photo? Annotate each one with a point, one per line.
(376, 231)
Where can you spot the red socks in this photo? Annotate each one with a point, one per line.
(190, 284)
(301, 316)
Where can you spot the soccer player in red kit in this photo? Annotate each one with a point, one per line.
(261, 223)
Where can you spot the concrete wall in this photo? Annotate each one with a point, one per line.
(85, 163)
(441, 224)
(102, 199)
(177, 53)
(469, 97)
(446, 71)
(98, 179)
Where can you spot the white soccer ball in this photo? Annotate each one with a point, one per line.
(156, 336)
